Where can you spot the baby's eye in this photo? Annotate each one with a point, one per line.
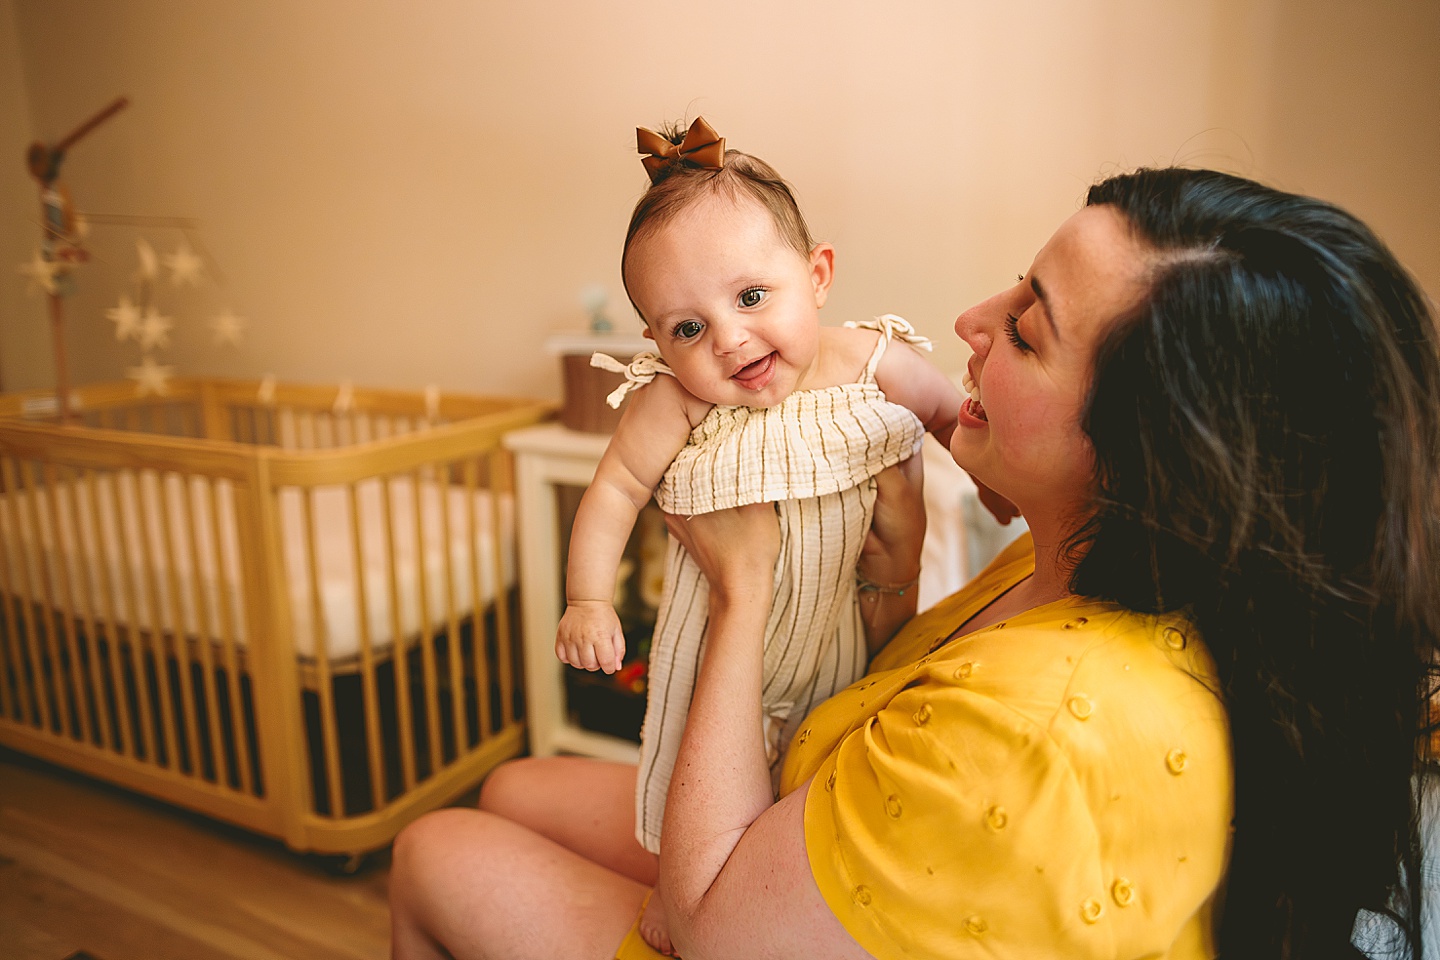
(688, 330)
(752, 297)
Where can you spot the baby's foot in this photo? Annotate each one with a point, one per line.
(654, 928)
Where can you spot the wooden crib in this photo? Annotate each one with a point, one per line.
(292, 608)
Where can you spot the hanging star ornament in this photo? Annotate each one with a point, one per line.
(185, 266)
(41, 273)
(127, 319)
(149, 264)
(151, 377)
(154, 330)
(228, 328)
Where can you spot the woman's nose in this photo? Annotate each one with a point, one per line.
(974, 327)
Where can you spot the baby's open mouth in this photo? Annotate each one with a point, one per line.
(754, 371)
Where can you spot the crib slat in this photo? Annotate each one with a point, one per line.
(150, 572)
(20, 710)
(334, 791)
(32, 615)
(136, 629)
(239, 735)
(456, 656)
(46, 613)
(202, 636)
(88, 590)
(402, 660)
(29, 614)
(124, 716)
(427, 634)
(501, 469)
(483, 727)
(367, 656)
(178, 636)
(65, 597)
(7, 640)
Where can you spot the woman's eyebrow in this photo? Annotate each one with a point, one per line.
(1045, 302)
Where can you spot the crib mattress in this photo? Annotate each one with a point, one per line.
(104, 546)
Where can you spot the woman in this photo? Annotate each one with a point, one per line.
(1218, 408)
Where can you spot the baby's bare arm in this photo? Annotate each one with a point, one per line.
(651, 432)
(910, 379)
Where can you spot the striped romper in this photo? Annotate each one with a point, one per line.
(815, 455)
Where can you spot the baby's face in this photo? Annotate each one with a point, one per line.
(733, 309)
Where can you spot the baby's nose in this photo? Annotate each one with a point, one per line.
(728, 337)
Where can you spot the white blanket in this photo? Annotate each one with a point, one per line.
(110, 547)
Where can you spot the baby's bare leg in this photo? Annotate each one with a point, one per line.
(654, 928)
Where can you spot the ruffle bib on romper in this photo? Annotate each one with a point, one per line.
(815, 455)
(813, 443)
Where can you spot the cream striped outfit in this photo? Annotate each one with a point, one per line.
(816, 455)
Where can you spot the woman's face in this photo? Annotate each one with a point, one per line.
(1034, 350)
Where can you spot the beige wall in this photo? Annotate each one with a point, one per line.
(412, 193)
(24, 333)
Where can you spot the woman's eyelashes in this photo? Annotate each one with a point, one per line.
(687, 330)
(752, 296)
(1012, 333)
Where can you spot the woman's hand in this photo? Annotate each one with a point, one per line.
(1001, 509)
(891, 553)
(736, 549)
(890, 557)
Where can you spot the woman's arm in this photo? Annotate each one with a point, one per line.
(734, 870)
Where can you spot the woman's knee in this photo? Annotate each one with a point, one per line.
(511, 787)
(419, 846)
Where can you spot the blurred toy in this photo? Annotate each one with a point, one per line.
(62, 236)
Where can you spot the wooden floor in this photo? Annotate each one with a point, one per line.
(89, 867)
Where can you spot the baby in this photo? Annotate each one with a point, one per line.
(750, 400)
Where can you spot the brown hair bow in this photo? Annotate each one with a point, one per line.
(702, 147)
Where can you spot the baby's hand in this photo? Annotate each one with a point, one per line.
(590, 636)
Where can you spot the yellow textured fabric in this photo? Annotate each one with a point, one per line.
(1057, 785)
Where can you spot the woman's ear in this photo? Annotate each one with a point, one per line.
(822, 271)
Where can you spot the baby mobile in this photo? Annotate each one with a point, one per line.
(138, 318)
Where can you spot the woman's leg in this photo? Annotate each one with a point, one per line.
(474, 886)
(549, 866)
(587, 806)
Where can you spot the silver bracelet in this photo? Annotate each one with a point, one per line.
(862, 585)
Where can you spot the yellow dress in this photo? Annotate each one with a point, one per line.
(1059, 784)
(1056, 785)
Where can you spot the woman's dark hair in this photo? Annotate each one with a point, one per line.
(1266, 427)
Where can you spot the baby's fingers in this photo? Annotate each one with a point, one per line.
(580, 655)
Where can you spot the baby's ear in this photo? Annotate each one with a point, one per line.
(822, 271)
